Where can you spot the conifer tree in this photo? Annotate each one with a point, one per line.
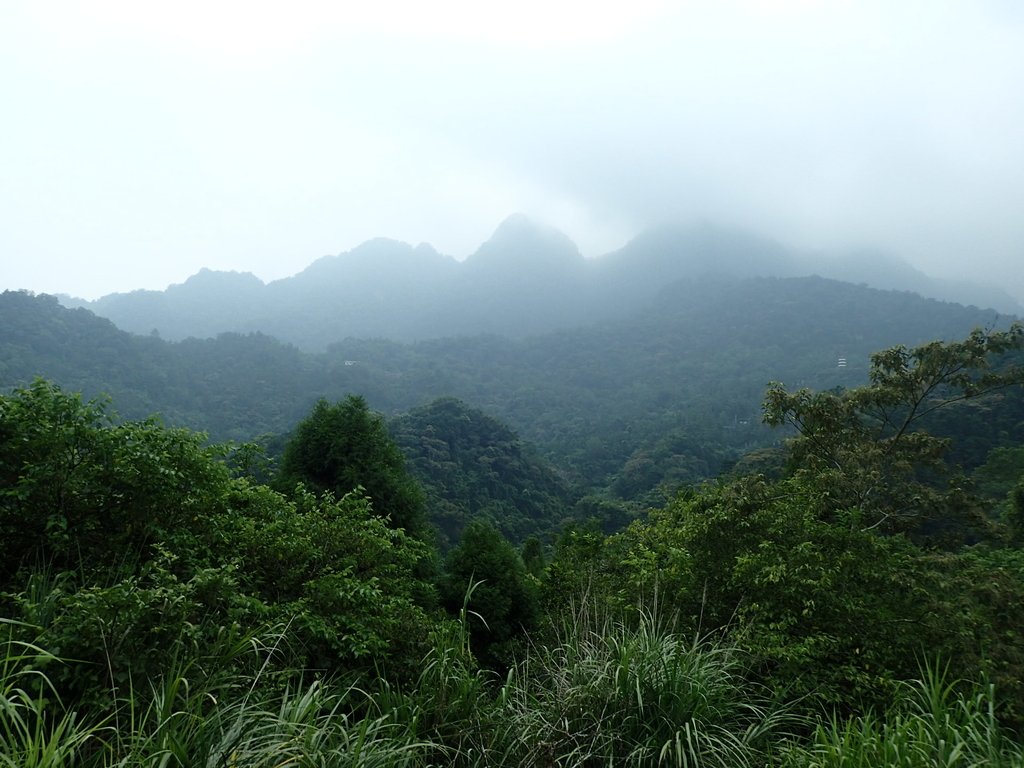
(344, 447)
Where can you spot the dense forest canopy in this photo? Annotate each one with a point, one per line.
(474, 467)
(665, 396)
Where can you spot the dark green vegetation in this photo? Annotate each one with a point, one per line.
(164, 605)
(667, 396)
(344, 448)
(610, 542)
(122, 539)
(474, 467)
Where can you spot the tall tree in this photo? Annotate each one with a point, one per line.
(487, 576)
(79, 490)
(866, 448)
(345, 446)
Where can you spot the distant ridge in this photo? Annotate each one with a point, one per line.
(526, 279)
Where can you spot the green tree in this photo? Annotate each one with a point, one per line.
(533, 557)
(122, 540)
(812, 573)
(471, 465)
(80, 491)
(828, 613)
(826, 610)
(345, 582)
(502, 599)
(865, 449)
(1014, 515)
(343, 447)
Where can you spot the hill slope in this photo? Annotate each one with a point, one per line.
(664, 396)
(473, 466)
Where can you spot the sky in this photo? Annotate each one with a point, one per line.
(141, 142)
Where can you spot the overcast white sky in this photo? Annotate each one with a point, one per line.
(140, 142)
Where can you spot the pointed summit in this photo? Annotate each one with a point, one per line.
(519, 242)
(526, 279)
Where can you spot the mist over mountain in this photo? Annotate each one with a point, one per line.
(525, 280)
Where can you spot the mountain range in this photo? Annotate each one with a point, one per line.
(527, 279)
(667, 395)
(631, 373)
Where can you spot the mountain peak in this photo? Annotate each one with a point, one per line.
(221, 278)
(519, 227)
(522, 242)
(516, 223)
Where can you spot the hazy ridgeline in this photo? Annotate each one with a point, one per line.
(526, 280)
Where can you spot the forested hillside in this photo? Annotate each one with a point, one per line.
(668, 396)
(474, 467)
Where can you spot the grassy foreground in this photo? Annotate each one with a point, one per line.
(601, 692)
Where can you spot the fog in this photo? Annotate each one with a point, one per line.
(140, 144)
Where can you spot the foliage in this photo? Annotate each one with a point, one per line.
(583, 563)
(343, 580)
(863, 448)
(185, 719)
(344, 447)
(473, 466)
(126, 539)
(79, 491)
(832, 615)
(36, 730)
(796, 571)
(1001, 477)
(503, 600)
(609, 692)
(612, 692)
(1015, 513)
(827, 611)
(672, 390)
(310, 726)
(977, 593)
(931, 722)
(194, 616)
(450, 704)
(534, 560)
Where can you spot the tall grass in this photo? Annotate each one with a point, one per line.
(36, 731)
(633, 692)
(190, 718)
(934, 723)
(604, 692)
(198, 718)
(451, 705)
(309, 727)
